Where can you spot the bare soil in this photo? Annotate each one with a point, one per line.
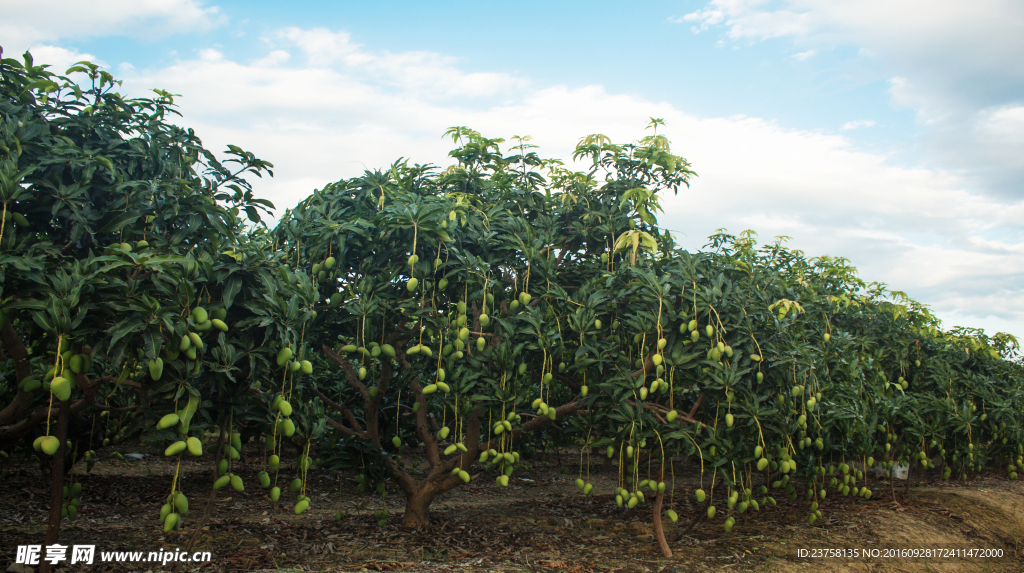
(539, 523)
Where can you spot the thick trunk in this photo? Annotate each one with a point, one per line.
(417, 509)
(659, 531)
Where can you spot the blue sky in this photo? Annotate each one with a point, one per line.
(889, 132)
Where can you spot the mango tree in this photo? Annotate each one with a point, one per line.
(450, 298)
(130, 287)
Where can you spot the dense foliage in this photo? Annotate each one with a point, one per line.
(451, 312)
(524, 297)
(123, 261)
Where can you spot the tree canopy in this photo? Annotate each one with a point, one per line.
(450, 312)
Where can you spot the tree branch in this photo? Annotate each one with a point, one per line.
(539, 422)
(350, 372)
(356, 430)
(429, 442)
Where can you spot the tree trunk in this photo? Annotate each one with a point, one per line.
(659, 531)
(57, 480)
(417, 509)
(910, 468)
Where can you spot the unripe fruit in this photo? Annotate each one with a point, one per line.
(49, 445)
(222, 481)
(181, 503)
(156, 368)
(61, 388)
(171, 522)
(167, 421)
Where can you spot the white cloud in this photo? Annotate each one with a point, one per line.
(426, 72)
(706, 17)
(25, 24)
(857, 124)
(340, 108)
(804, 55)
(1005, 121)
(949, 60)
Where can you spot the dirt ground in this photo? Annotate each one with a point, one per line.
(538, 523)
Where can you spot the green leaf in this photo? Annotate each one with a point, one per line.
(231, 290)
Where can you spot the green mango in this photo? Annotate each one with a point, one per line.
(181, 503)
